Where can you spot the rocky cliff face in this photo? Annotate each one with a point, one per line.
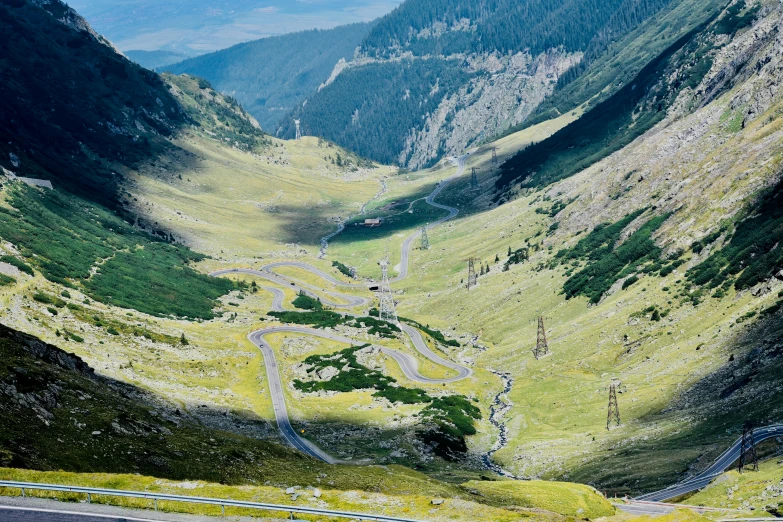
(505, 93)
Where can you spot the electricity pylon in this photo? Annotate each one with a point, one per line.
(472, 277)
(748, 456)
(425, 241)
(542, 346)
(387, 311)
(474, 184)
(613, 414)
(298, 130)
(494, 155)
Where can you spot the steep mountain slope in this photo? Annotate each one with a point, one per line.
(273, 75)
(474, 70)
(71, 105)
(635, 107)
(84, 429)
(657, 268)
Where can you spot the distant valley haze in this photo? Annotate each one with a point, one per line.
(192, 27)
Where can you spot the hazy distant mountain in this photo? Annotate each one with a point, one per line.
(202, 26)
(273, 75)
(154, 59)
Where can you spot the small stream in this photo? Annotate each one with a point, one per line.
(500, 406)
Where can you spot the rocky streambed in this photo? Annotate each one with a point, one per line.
(500, 406)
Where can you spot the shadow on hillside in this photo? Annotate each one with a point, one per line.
(711, 414)
(57, 414)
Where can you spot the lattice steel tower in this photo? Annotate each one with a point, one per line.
(494, 155)
(613, 414)
(542, 346)
(387, 311)
(474, 183)
(298, 130)
(472, 276)
(425, 240)
(748, 457)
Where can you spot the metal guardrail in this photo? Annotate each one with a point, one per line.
(223, 503)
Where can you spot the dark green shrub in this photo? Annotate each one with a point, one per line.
(305, 302)
(435, 334)
(628, 282)
(343, 269)
(608, 262)
(751, 254)
(320, 319)
(18, 263)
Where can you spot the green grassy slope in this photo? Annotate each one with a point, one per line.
(89, 430)
(633, 109)
(758, 490)
(696, 357)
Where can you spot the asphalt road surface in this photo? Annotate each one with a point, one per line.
(408, 364)
(66, 514)
(406, 245)
(720, 465)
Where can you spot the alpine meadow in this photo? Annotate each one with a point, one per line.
(469, 260)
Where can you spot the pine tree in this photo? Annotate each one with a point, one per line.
(509, 251)
(497, 258)
(183, 340)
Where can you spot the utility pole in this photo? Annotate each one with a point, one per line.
(494, 155)
(748, 457)
(298, 130)
(387, 311)
(542, 346)
(474, 184)
(472, 277)
(425, 241)
(613, 414)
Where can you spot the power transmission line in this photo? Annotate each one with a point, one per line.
(542, 346)
(425, 240)
(748, 456)
(298, 130)
(472, 277)
(387, 311)
(613, 413)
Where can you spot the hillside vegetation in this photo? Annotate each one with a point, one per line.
(106, 111)
(272, 75)
(652, 256)
(632, 110)
(473, 69)
(446, 27)
(656, 266)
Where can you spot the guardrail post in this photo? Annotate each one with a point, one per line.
(156, 503)
(223, 508)
(23, 495)
(89, 498)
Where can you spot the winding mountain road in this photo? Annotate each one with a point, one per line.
(721, 464)
(408, 364)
